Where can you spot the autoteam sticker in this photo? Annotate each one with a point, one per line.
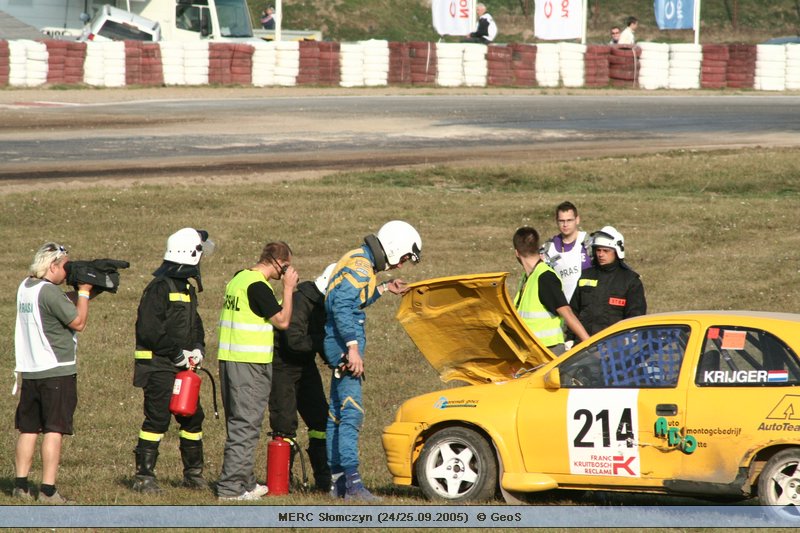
(602, 432)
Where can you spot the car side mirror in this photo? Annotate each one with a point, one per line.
(552, 380)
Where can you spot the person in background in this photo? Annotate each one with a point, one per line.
(268, 18)
(628, 35)
(540, 300)
(615, 32)
(486, 30)
(246, 346)
(352, 288)
(170, 338)
(45, 346)
(296, 383)
(566, 252)
(609, 291)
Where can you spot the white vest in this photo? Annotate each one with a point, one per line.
(568, 265)
(33, 350)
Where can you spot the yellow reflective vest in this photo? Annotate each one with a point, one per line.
(244, 337)
(543, 324)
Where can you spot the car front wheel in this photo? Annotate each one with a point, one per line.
(457, 464)
(779, 482)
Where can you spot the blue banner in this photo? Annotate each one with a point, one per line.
(674, 14)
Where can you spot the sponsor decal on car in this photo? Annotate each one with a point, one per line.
(740, 376)
(601, 433)
(787, 411)
(444, 403)
(686, 443)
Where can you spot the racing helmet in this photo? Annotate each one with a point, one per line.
(322, 281)
(609, 237)
(399, 239)
(185, 246)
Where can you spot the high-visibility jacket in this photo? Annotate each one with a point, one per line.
(244, 337)
(545, 325)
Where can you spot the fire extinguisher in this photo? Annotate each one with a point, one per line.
(186, 392)
(279, 452)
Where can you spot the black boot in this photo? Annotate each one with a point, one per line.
(192, 456)
(146, 455)
(318, 457)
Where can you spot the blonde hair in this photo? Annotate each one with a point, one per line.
(49, 253)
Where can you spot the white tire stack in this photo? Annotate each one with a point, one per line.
(548, 65)
(195, 62)
(476, 66)
(770, 67)
(376, 62)
(172, 62)
(114, 64)
(351, 61)
(94, 64)
(654, 66)
(571, 64)
(17, 63)
(793, 67)
(264, 61)
(287, 63)
(685, 60)
(450, 66)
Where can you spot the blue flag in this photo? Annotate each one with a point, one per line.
(674, 14)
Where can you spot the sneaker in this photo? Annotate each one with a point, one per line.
(22, 494)
(259, 490)
(360, 493)
(339, 487)
(55, 499)
(245, 496)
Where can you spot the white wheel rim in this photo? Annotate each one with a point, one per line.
(784, 487)
(452, 469)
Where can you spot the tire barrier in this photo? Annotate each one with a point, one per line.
(596, 65)
(523, 64)
(650, 66)
(623, 66)
(741, 71)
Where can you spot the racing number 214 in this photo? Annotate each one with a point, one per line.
(624, 428)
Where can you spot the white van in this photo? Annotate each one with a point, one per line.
(113, 24)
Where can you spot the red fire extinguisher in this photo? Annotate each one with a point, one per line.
(186, 392)
(279, 453)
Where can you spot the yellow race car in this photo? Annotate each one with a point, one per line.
(700, 403)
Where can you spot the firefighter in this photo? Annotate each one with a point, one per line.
(296, 383)
(353, 287)
(169, 338)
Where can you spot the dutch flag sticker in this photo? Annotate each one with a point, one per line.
(776, 376)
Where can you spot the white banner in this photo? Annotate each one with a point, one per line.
(452, 17)
(554, 20)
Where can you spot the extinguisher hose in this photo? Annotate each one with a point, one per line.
(213, 392)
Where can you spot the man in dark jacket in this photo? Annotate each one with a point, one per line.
(296, 383)
(170, 338)
(609, 291)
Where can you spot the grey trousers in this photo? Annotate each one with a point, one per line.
(245, 395)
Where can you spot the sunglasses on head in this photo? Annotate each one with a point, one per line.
(279, 267)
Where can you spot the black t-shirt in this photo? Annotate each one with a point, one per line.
(550, 293)
(262, 300)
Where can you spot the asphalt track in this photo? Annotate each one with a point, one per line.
(91, 134)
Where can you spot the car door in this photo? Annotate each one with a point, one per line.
(610, 419)
(742, 396)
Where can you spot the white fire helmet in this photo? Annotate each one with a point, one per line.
(400, 240)
(185, 246)
(609, 237)
(322, 281)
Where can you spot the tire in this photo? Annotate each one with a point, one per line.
(457, 465)
(779, 482)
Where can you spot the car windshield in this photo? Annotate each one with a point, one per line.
(234, 18)
(642, 357)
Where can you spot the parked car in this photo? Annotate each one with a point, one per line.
(700, 403)
(113, 24)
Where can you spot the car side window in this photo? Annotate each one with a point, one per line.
(742, 357)
(637, 358)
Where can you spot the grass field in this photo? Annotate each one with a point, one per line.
(705, 230)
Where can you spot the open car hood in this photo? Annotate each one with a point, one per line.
(468, 330)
